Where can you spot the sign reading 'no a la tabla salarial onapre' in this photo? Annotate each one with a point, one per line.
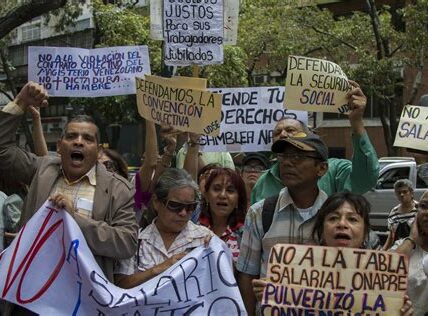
(316, 280)
(193, 32)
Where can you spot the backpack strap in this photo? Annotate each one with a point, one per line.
(267, 212)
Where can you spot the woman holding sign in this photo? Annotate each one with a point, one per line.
(171, 235)
(342, 221)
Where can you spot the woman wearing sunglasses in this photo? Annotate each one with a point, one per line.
(224, 207)
(170, 236)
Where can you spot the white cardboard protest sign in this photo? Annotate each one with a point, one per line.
(248, 118)
(316, 85)
(412, 131)
(193, 32)
(316, 280)
(50, 270)
(79, 72)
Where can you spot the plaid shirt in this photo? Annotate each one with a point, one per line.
(152, 252)
(287, 226)
(81, 192)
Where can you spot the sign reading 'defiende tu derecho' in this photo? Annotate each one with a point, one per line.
(193, 32)
(79, 72)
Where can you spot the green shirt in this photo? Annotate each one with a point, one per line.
(357, 176)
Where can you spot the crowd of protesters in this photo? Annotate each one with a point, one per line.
(137, 230)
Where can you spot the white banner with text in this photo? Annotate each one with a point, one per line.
(50, 256)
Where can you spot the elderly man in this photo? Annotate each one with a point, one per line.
(99, 201)
(357, 176)
(304, 157)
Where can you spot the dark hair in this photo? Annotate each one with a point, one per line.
(238, 215)
(82, 118)
(335, 201)
(118, 162)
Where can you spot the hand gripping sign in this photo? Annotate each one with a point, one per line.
(315, 280)
(49, 269)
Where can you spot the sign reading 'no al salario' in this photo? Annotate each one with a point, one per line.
(193, 32)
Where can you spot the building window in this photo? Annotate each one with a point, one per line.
(31, 32)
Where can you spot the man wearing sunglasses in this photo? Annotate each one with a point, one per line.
(357, 176)
(303, 158)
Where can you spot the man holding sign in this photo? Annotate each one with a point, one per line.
(305, 159)
(357, 176)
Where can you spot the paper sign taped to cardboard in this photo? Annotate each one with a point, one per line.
(315, 85)
(165, 101)
(316, 280)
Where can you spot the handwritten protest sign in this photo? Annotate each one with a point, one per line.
(248, 118)
(315, 85)
(78, 72)
(165, 101)
(412, 131)
(50, 256)
(318, 280)
(193, 32)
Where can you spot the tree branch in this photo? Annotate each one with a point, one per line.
(335, 37)
(25, 12)
(375, 24)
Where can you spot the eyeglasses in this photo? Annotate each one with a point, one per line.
(296, 158)
(253, 169)
(422, 205)
(177, 207)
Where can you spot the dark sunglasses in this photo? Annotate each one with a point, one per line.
(177, 207)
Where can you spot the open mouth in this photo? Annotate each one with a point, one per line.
(222, 204)
(77, 156)
(342, 236)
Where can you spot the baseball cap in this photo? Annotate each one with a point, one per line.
(256, 156)
(303, 141)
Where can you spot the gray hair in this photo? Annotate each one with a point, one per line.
(173, 178)
(305, 128)
(403, 183)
